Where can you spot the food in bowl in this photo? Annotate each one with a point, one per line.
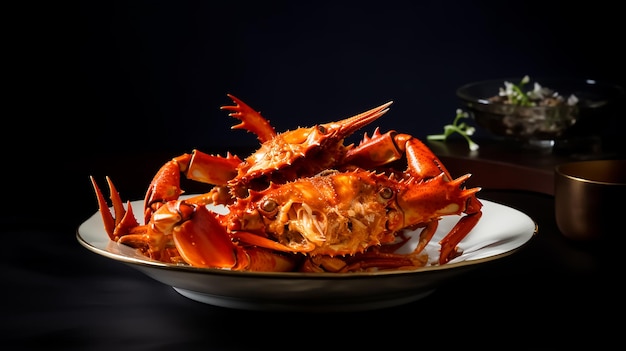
(541, 112)
(514, 94)
(545, 111)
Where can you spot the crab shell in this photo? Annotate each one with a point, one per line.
(344, 213)
(302, 152)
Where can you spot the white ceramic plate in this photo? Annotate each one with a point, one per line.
(501, 231)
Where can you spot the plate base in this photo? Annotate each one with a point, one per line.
(297, 306)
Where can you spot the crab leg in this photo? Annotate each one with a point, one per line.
(377, 150)
(210, 169)
(424, 164)
(381, 149)
(433, 187)
(199, 166)
(449, 243)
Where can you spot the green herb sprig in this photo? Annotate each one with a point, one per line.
(515, 94)
(457, 126)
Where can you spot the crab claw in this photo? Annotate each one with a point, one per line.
(202, 241)
(199, 166)
(251, 120)
(121, 221)
(165, 186)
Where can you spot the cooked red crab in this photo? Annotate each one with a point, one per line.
(303, 201)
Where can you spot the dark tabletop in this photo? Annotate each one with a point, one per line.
(551, 293)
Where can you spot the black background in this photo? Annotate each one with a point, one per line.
(153, 74)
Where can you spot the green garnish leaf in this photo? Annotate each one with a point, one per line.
(457, 126)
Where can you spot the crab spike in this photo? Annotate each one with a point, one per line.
(458, 181)
(469, 193)
(251, 120)
(107, 217)
(350, 125)
(466, 193)
(116, 201)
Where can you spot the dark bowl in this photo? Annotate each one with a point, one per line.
(596, 101)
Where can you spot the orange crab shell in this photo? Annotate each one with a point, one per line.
(338, 213)
(298, 153)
